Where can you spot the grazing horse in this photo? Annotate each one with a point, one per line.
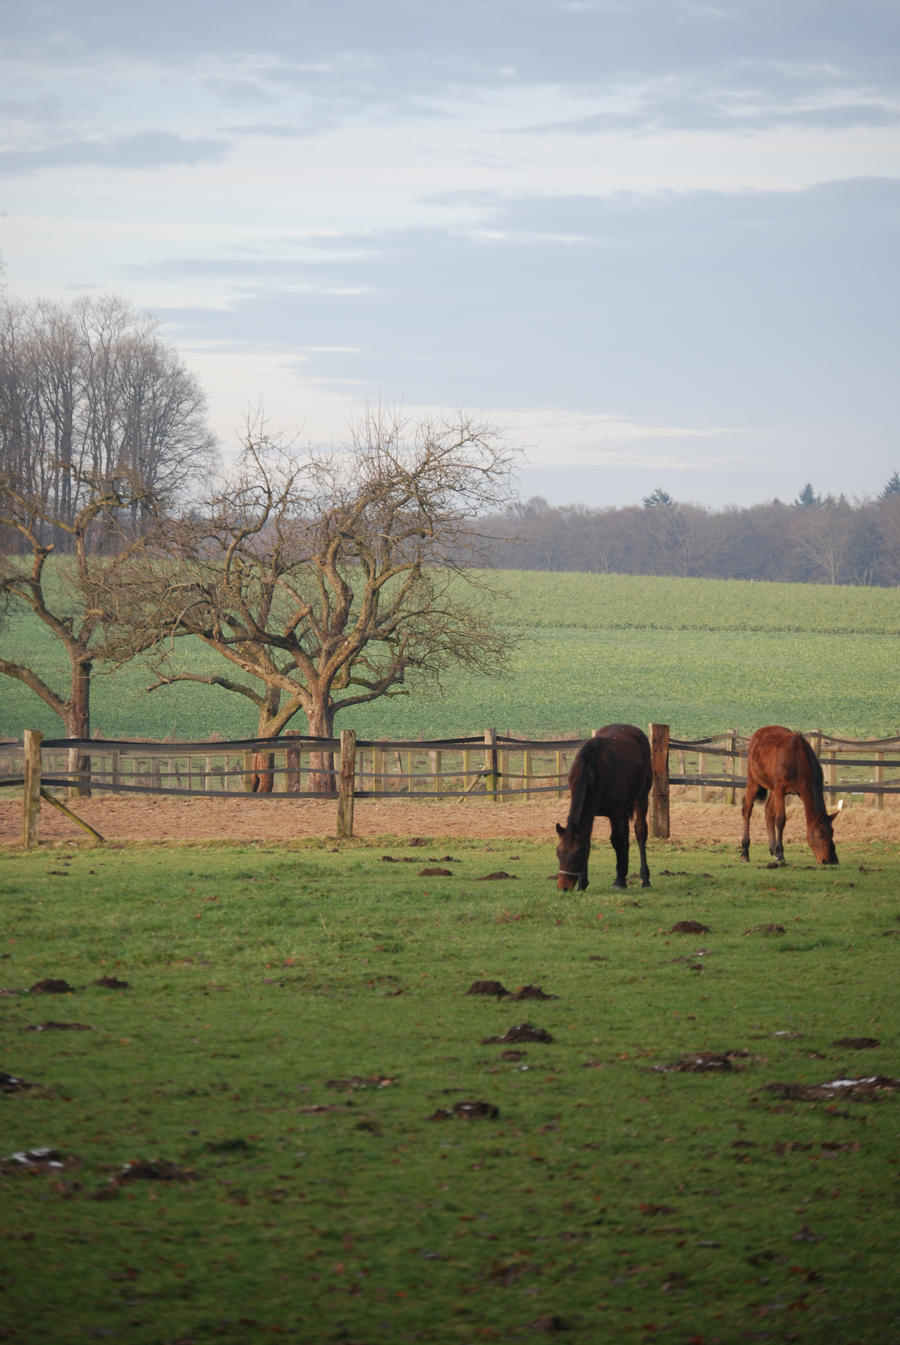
(610, 777)
(781, 762)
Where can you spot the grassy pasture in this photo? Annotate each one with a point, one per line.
(701, 655)
(295, 1017)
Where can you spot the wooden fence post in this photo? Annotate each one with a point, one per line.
(731, 766)
(292, 762)
(659, 793)
(31, 799)
(490, 763)
(346, 785)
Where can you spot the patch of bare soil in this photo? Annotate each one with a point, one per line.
(501, 992)
(871, 1089)
(521, 1032)
(704, 1062)
(467, 1111)
(260, 818)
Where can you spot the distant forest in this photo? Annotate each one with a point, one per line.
(814, 539)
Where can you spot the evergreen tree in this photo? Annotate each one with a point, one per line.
(808, 499)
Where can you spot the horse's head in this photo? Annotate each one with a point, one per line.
(821, 837)
(572, 853)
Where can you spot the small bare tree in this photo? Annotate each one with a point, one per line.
(823, 537)
(328, 580)
(71, 596)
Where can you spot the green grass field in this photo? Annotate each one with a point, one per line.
(704, 656)
(255, 1134)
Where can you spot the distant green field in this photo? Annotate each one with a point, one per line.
(700, 655)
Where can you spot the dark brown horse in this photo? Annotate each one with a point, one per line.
(781, 762)
(610, 777)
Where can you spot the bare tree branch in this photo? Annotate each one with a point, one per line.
(333, 578)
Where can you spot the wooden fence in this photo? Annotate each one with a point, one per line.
(500, 767)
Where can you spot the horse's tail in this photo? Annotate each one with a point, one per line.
(761, 794)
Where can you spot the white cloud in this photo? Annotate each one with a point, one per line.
(557, 438)
(610, 219)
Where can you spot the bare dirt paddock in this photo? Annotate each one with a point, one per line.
(129, 818)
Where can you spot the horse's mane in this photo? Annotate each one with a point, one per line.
(584, 783)
(816, 778)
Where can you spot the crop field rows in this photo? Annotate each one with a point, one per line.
(703, 656)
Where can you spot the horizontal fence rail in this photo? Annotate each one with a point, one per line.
(851, 766)
(447, 768)
(500, 767)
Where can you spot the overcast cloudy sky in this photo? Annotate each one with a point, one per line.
(657, 241)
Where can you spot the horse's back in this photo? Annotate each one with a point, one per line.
(621, 749)
(780, 757)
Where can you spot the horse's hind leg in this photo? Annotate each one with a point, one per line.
(618, 837)
(640, 835)
(775, 819)
(750, 796)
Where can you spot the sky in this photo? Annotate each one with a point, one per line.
(655, 243)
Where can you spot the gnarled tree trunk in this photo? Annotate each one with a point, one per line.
(322, 777)
(77, 720)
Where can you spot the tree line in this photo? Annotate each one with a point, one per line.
(813, 539)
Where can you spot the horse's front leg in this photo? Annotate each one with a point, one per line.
(640, 835)
(775, 820)
(618, 836)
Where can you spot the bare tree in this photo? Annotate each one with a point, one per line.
(88, 392)
(69, 595)
(823, 536)
(100, 427)
(888, 520)
(329, 580)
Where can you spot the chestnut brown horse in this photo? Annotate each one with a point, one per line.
(610, 777)
(781, 762)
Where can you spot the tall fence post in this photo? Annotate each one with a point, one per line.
(31, 799)
(659, 793)
(491, 766)
(731, 766)
(292, 763)
(829, 773)
(346, 785)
